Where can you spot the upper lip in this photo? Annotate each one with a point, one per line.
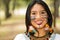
(38, 22)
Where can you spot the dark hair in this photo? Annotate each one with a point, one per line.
(28, 20)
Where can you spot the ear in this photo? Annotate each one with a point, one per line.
(46, 27)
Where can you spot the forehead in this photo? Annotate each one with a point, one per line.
(37, 7)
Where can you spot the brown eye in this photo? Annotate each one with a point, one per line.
(43, 12)
(33, 13)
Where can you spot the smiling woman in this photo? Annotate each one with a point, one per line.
(40, 16)
(38, 22)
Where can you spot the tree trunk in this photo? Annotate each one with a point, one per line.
(7, 11)
(6, 3)
(56, 11)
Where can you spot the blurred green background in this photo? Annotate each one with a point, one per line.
(12, 17)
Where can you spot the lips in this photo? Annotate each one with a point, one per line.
(38, 22)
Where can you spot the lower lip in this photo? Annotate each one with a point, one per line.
(39, 23)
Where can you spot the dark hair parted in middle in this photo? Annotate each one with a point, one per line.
(28, 19)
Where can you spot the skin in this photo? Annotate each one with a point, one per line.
(39, 20)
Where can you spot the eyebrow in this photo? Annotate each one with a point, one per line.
(40, 11)
(33, 11)
(43, 10)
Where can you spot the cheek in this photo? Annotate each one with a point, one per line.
(33, 23)
(33, 17)
(44, 22)
(44, 19)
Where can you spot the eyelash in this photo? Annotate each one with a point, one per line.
(40, 13)
(33, 13)
(43, 12)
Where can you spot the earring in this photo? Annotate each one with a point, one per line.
(46, 27)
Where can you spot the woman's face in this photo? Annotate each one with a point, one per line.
(38, 16)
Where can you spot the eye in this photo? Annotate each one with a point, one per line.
(33, 13)
(43, 12)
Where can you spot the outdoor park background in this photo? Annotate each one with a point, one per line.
(12, 17)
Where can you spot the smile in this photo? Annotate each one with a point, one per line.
(38, 22)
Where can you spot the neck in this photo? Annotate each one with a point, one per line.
(40, 33)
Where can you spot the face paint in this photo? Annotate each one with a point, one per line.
(33, 17)
(39, 26)
(44, 17)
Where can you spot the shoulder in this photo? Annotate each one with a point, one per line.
(55, 36)
(21, 36)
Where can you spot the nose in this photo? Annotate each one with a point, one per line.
(38, 16)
